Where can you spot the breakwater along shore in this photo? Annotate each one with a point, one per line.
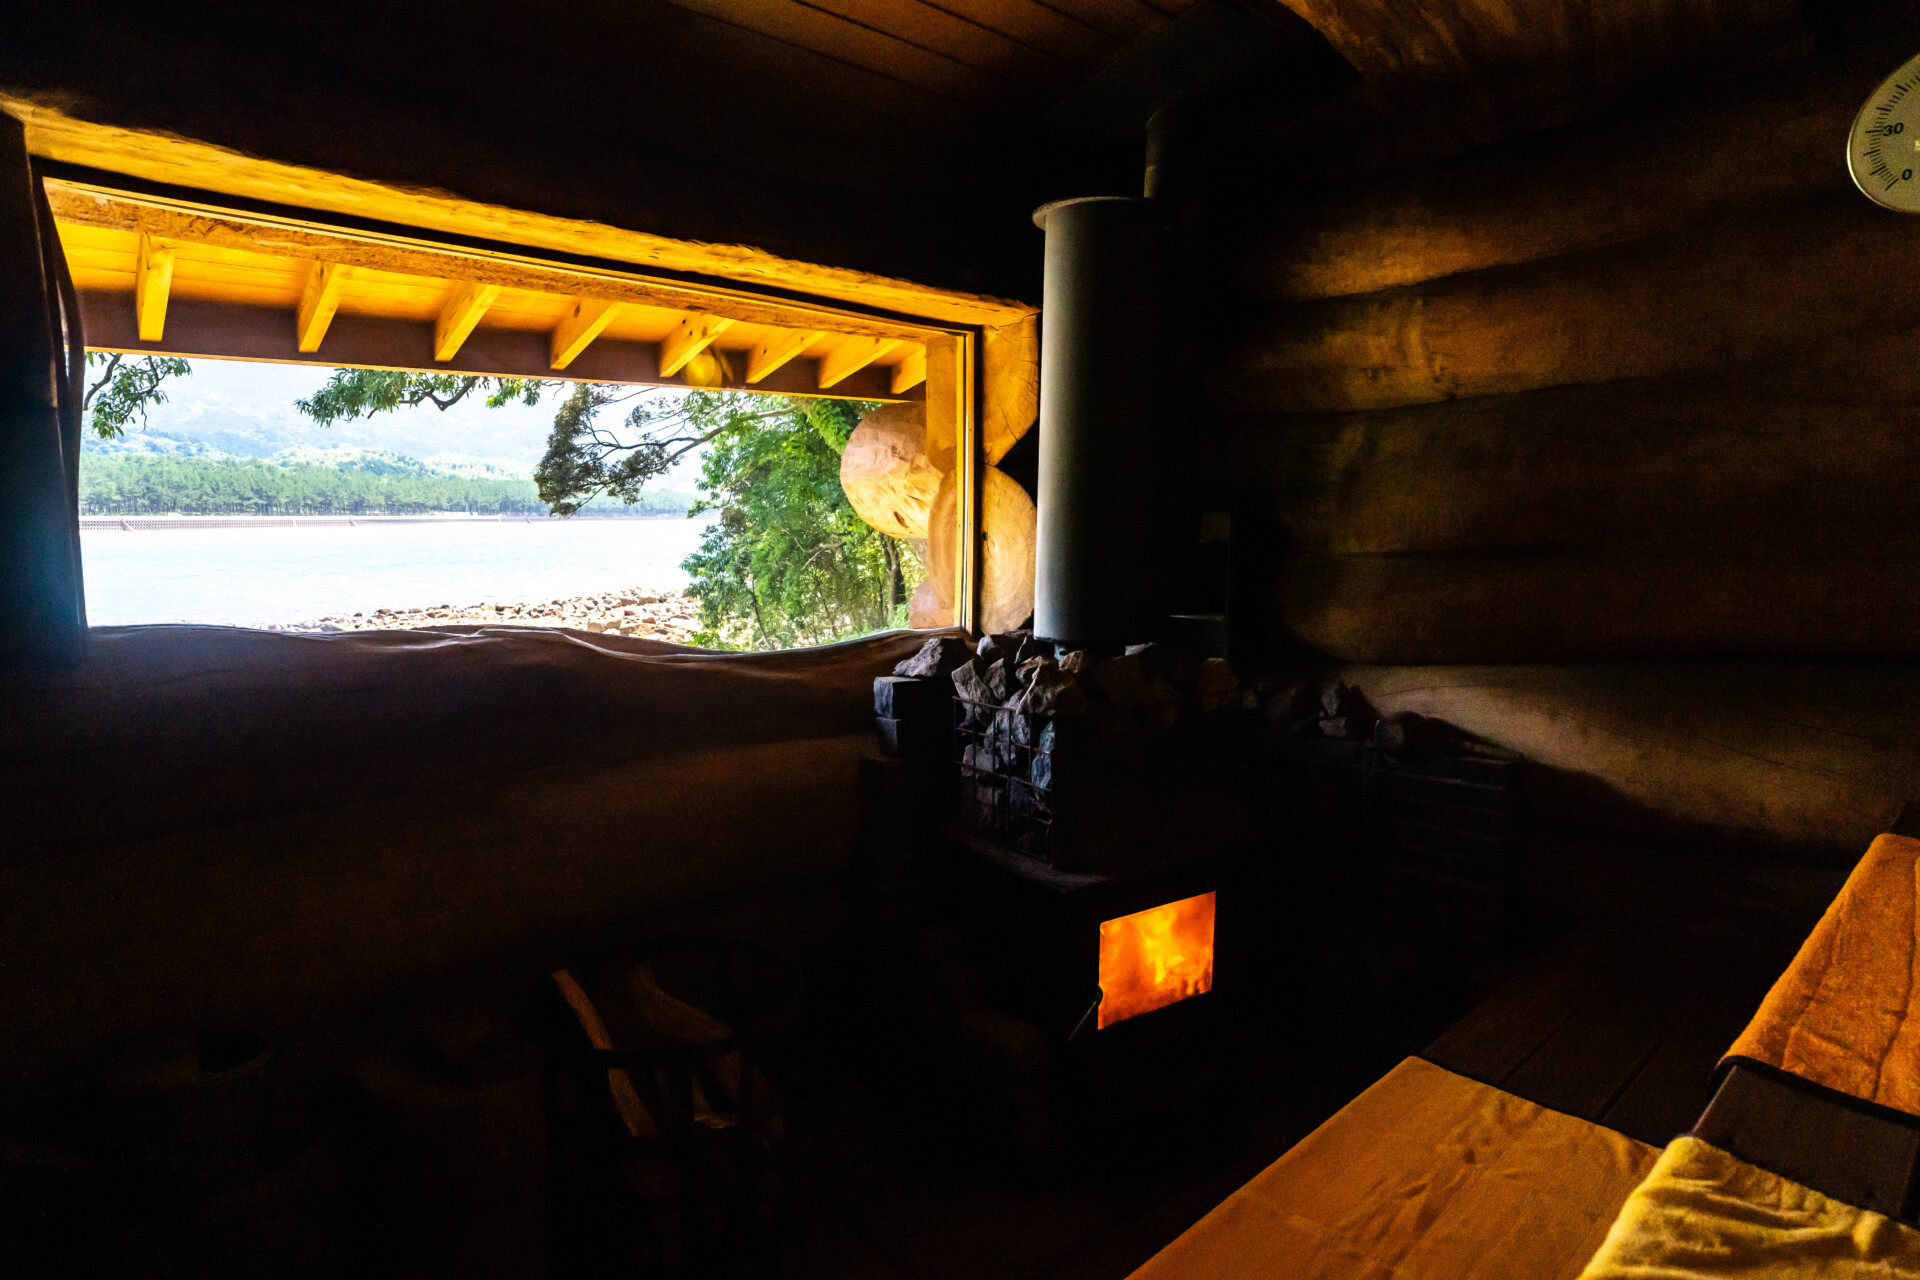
(652, 615)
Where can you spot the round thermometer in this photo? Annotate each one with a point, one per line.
(1883, 151)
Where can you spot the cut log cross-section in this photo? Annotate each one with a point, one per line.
(318, 302)
(1007, 540)
(153, 278)
(688, 339)
(463, 309)
(587, 320)
(853, 355)
(885, 471)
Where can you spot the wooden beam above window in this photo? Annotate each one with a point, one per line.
(461, 312)
(910, 372)
(586, 321)
(318, 302)
(776, 349)
(688, 339)
(152, 280)
(854, 355)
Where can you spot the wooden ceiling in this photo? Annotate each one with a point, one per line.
(989, 54)
(903, 138)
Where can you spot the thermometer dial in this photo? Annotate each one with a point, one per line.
(1883, 151)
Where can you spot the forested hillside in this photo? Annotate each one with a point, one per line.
(157, 484)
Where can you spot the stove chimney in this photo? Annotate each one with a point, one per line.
(1099, 577)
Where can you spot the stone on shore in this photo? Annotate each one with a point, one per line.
(650, 614)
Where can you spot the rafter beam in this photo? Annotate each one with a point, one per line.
(462, 311)
(910, 372)
(587, 320)
(852, 356)
(152, 280)
(318, 302)
(689, 338)
(777, 349)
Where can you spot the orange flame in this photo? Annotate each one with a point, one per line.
(1155, 958)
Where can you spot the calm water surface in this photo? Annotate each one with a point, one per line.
(252, 577)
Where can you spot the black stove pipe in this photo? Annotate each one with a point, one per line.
(1101, 567)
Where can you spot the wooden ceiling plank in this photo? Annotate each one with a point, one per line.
(463, 309)
(1060, 35)
(936, 29)
(584, 322)
(1130, 21)
(688, 339)
(910, 372)
(852, 356)
(777, 349)
(821, 32)
(318, 302)
(152, 282)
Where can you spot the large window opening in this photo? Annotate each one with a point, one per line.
(299, 498)
(306, 426)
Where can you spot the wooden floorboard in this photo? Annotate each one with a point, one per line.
(1676, 1083)
(1490, 1043)
(1610, 1035)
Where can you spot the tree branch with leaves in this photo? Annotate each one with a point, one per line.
(126, 386)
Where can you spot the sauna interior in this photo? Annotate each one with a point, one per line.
(1399, 768)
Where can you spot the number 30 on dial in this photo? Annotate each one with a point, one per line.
(1883, 151)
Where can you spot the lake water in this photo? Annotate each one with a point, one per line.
(252, 577)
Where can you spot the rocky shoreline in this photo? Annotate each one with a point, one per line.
(654, 615)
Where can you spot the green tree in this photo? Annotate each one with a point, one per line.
(126, 386)
(361, 393)
(787, 561)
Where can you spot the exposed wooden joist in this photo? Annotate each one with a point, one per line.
(462, 311)
(585, 322)
(164, 158)
(910, 372)
(776, 349)
(152, 279)
(202, 327)
(88, 207)
(318, 302)
(852, 356)
(688, 339)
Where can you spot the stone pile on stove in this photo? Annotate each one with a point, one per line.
(1001, 708)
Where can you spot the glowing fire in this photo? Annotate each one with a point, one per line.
(1155, 958)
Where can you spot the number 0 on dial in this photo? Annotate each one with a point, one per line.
(1883, 151)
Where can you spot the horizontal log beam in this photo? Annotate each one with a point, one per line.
(1745, 290)
(1690, 466)
(227, 330)
(1820, 754)
(1653, 171)
(1553, 608)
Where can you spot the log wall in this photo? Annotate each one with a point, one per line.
(1602, 445)
(1643, 388)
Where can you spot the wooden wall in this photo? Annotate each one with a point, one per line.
(1641, 394)
(1639, 388)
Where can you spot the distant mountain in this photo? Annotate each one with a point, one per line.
(143, 443)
